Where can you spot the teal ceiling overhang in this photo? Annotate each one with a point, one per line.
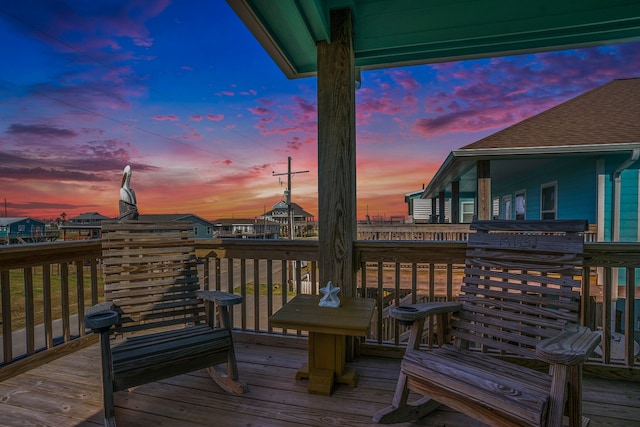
(389, 33)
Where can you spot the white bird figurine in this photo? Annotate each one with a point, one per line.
(126, 193)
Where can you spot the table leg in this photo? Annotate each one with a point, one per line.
(326, 363)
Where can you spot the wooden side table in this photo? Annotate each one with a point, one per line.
(328, 329)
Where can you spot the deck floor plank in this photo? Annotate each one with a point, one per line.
(67, 392)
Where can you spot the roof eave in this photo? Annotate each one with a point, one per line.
(246, 13)
(459, 161)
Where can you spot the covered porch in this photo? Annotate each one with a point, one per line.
(40, 387)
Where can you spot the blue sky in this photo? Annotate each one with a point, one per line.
(183, 93)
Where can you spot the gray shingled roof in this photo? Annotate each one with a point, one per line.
(605, 119)
(609, 114)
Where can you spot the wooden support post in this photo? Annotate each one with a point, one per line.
(484, 190)
(455, 202)
(337, 155)
(441, 209)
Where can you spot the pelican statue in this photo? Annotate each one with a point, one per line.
(126, 193)
(128, 208)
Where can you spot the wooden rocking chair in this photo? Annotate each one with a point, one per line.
(153, 299)
(520, 299)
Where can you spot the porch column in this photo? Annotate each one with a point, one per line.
(483, 201)
(337, 155)
(434, 210)
(442, 201)
(455, 202)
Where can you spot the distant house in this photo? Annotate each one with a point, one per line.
(83, 226)
(577, 160)
(21, 230)
(202, 228)
(246, 228)
(423, 211)
(88, 218)
(302, 219)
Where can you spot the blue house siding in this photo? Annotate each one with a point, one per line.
(576, 185)
(577, 189)
(12, 228)
(629, 206)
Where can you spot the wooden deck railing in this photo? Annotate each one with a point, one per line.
(36, 280)
(44, 289)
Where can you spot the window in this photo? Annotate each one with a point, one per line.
(506, 203)
(467, 212)
(495, 207)
(548, 200)
(195, 230)
(521, 204)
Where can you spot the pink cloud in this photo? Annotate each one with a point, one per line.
(260, 111)
(196, 118)
(170, 117)
(215, 117)
(405, 79)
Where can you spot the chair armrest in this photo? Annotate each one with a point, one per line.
(407, 314)
(570, 347)
(101, 317)
(219, 297)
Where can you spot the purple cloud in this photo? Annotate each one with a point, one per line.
(42, 131)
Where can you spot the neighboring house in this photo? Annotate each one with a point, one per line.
(246, 228)
(303, 221)
(88, 218)
(83, 226)
(280, 213)
(21, 230)
(577, 160)
(202, 228)
(424, 211)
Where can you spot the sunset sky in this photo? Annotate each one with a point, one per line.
(183, 93)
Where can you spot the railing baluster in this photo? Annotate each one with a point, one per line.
(243, 291)
(269, 293)
(46, 296)
(94, 281)
(5, 294)
(29, 316)
(606, 315)
(629, 318)
(256, 295)
(80, 296)
(396, 289)
(64, 297)
(284, 286)
(381, 296)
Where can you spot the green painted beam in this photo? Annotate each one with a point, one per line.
(390, 33)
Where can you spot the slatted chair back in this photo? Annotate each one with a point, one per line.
(150, 272)
(519, 287)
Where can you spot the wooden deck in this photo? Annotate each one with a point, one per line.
(67, 392)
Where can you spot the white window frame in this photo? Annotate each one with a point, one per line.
(463, 213)
(507, 207)
(495, 208)
(524, 204)
(554, 211)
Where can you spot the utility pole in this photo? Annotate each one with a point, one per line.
(287, 195)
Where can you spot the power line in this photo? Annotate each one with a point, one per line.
(288, 196)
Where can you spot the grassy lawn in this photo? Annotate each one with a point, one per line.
(17, 292)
